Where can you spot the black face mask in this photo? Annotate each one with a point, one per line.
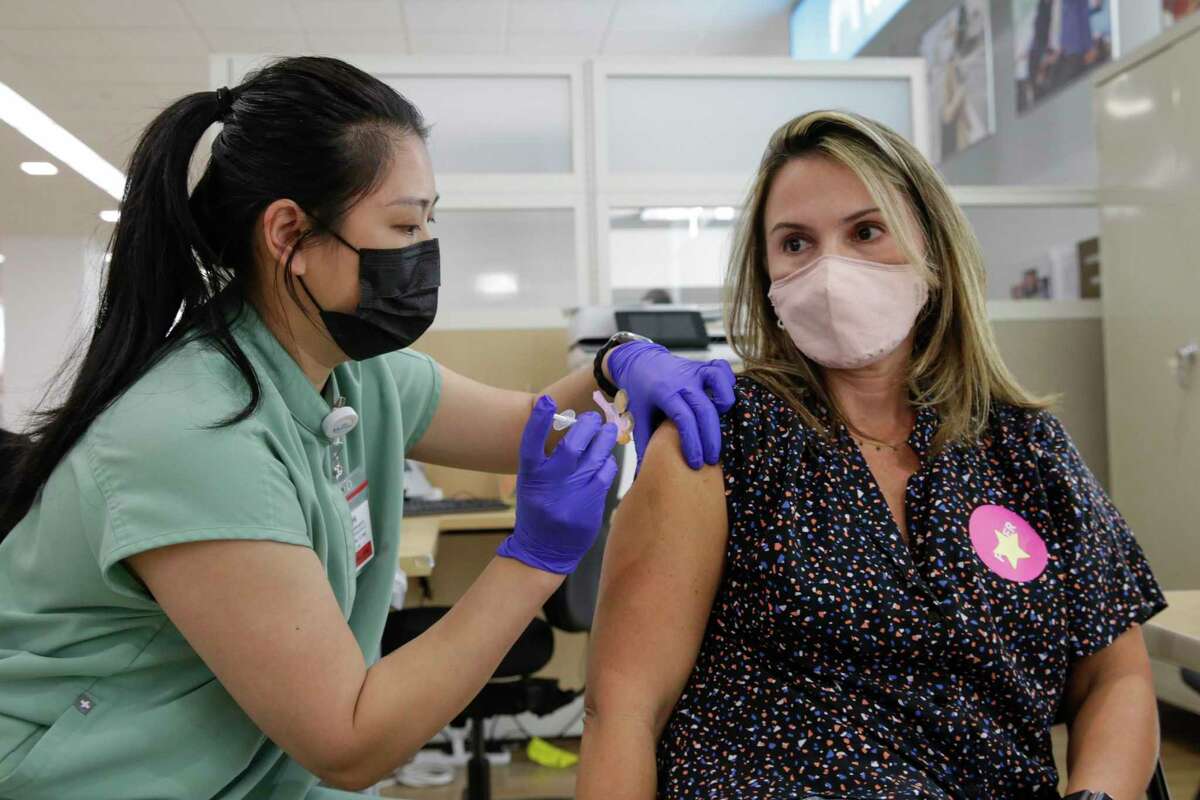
(398, 301)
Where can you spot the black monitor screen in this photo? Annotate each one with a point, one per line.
(676, 329)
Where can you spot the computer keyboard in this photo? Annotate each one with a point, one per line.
(418, 507)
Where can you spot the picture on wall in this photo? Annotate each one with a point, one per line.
(958, 50)
(1056, 42)
(1175, 10)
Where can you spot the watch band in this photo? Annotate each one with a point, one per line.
(617, 339)
(1087, 795)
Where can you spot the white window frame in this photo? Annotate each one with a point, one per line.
(590, 190)
(473, 191)
(617, 190)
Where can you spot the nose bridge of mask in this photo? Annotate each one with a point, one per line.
(416, 268)
(843, 311)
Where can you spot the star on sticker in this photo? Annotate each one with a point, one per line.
(1008, 545)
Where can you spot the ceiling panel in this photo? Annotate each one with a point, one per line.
(454, 16)
(262, 14)
(110, 69)
(651, 43)
(559, 15)
(250, 40)
(572, 44)
(92, 13)
(48, 45)
(343, 15)
(457, 44)
(663, 15)
(771, 38)
(393, 43)
(159, 45)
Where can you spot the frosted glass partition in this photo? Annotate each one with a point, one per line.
(687, 124)
(679, 253)
(507, 259)
(1039, 252)
(494, 123)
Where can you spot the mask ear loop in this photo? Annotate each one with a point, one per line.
(320, 223)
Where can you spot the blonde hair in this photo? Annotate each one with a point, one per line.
(956, 368)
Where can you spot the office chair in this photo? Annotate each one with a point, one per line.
(512, 689)
(1191, 677)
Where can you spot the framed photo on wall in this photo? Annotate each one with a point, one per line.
(1175, 10)
(1056, 42)
(958, 50)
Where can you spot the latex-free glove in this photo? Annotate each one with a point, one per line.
(689, 393)
(560, 498)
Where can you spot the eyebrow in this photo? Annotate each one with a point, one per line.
(845, 220)
(423, 202)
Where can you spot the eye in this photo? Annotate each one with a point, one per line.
(868, 233)
(410, 230)
(794, 244)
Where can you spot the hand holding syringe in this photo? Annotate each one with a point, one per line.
(614, 412)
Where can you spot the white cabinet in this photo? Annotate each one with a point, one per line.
(1147, 111)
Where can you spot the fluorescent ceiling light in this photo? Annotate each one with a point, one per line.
(1126, 108)
(496, 283)
(724, 213)
(110, 215)
(2, 258)
(38, 168)
(59, 142)
(671, 214)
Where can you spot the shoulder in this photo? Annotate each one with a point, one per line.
(408, 365)
(761, 418)
(755, 404)
(1035, 431)
(177, 409)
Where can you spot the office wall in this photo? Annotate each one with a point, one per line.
(1064, 357)
(1053, 143)
(49, 292)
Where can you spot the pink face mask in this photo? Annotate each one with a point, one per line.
(845, 313)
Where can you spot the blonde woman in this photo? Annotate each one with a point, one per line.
(902, 571)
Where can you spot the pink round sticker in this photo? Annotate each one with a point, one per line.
(1007, 544)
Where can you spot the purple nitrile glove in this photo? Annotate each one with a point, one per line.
(560, 497)
(689, 393)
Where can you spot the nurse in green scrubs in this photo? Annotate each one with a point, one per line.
(201, 539)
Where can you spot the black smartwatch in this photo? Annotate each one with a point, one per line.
(1086, 795)
(617, 339)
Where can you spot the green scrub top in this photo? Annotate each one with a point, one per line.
(100, 695)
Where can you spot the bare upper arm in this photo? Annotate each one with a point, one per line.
(1126, 655)
(263, 617)
(662, 565)
(475, 426)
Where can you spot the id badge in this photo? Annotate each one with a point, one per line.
(360, 520)
(353, 485)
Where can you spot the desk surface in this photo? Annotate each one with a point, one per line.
(419, 535)
(1174, 635)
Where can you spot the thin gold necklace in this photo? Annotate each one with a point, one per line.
(879, 445)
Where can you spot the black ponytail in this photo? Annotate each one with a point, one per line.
(315, 130)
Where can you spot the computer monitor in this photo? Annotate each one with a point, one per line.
(674, 329)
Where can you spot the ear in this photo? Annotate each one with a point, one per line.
(284, 222)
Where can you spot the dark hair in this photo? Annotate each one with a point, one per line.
(315, 130)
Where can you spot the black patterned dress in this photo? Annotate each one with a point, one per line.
(840, 663)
